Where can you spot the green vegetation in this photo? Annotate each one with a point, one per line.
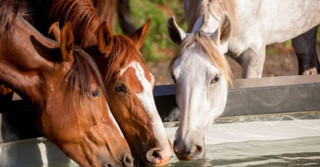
(157, 45)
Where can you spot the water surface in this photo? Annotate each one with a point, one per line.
(293, 152)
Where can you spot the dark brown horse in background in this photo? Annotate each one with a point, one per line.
(127, 80)
(108, 9)
(64, 87)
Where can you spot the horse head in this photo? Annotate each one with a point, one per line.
(201, 75)
(129, 86)
(64, 86)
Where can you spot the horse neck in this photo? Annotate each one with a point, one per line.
(196, 9)
(21, 66)
(208, 25)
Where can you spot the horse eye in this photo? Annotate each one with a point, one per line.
(215, 79)
(121, 88)
(96, 93)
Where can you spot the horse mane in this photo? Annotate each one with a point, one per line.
(216, 8)
(81, 14)
(205, 44)
(8, 8)
(79, 75)
(124, 51)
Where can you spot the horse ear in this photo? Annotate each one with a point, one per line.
(54, 32)
(67, 42)
(105, 38)
(139, 35)
(224, 30)
(176, 34)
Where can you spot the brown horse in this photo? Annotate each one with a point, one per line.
(128, 82)
(107, 9)
(63, 85)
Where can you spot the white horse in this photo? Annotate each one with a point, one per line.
(201, 84)
(201, 74)
(258, 23)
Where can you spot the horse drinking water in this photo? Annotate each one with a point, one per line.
(256, 24)
(128, 82)
(64, 87)
(201, 75)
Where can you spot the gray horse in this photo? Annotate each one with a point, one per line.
(259, 23)
(242, 29)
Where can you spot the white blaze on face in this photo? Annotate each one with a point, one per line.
(147, 101)
(114, 121)
(152, 79)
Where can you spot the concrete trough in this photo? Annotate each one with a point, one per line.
(247, 97)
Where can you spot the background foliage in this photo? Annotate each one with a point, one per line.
(157, 45)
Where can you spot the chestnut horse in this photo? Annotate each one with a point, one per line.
(128, 82)
(64, 87)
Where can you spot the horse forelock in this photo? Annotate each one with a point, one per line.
(81, 72)
(205, 44)
(81, 14)
(123, 52)
(216, 8)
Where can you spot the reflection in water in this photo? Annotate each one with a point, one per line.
(198, 163)
(295, 152)
(261, 143)
(268, 153)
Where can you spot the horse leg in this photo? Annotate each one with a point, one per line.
(305, 47)
(252, 62)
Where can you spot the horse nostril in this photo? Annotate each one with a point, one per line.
(127, 160)
(175, 143)
(197, 152)
(175, 146)
(199, 149)
(153, 155)
(156, 154)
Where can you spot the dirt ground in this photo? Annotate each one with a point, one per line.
(283, 63)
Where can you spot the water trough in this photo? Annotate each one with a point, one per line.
(266, 116)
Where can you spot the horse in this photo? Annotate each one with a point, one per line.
(260, 23)
(201, 75)
(107, 10)
(63, 85)
(252, 25)
(128, 82)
